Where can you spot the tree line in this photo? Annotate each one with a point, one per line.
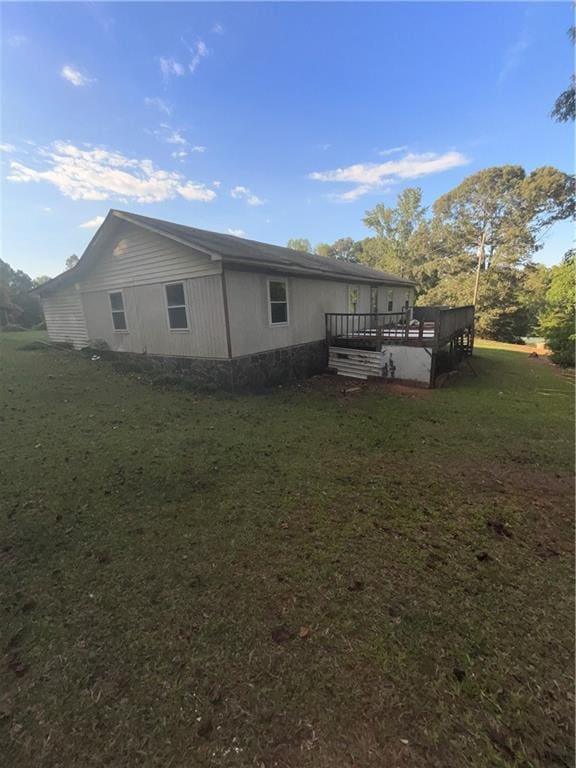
(475, 245)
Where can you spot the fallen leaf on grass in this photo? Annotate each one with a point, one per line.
(304, 632)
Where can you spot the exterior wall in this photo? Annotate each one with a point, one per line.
(147, 319)
(308, 300)
(135, 256)
(65, 317)
(408, 363)
(400, 293)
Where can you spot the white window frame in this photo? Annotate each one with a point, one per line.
(390, 300)
(177, 306)
(350, 289)
(117, 312)
(374, 291)
(270, 302)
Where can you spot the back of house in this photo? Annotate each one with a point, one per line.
(175, 292)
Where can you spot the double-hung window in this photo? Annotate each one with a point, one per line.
(118, 312)
(176, 304)
(278, 302)
(390, 300)
(353, 298)
(374, 299)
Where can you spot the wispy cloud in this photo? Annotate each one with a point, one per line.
(170, 67)
(7, 148)
(217, 29)
(156, 103)
(237, 232)
(514, 55)
(76, 77)
(324, 147)
(392, 150)
(92, 223)
(243, 193)
(199, 51)
(96, 173)
(371, 176)
(15, 41)
(176, 137)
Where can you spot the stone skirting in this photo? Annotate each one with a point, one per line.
(251, 372)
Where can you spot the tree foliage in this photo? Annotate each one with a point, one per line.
(299, 244)
(559, 317)
(71, 261)
(15, 286)
(565, 105)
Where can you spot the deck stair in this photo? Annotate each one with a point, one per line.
(356, 363)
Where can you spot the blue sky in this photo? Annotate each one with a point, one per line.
(269, 120)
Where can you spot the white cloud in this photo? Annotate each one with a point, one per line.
(216, 184)
(199, 51)
(75, 77)
(324, 147)
(7, 148)
(47, 210)
(192, 191)
(514, 55)
(15, 41)
(371, 176)
(198, 148)
(237, 232)
(159, 104)
(243, 193)
(393, 150)
(96, 173)
(175, 137)
(180, 155)
(92, 223)
(218, 29)
(169, 66)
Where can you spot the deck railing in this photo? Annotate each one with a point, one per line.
(416, 326)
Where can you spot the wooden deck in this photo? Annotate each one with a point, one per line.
(416, 326)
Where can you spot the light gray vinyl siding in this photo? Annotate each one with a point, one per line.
(147, 319)
(135, 256)
(308, 301)
(65, 317)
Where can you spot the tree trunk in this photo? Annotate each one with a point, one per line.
(480, 254)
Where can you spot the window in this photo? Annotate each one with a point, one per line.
(278, 302)
(176, 303)
(407, 302)
(374, 299)
(391, 300)
(118, 313)
(353, 298)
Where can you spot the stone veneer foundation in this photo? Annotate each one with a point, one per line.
(251, 372)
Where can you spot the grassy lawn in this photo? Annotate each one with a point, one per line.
(302, 579)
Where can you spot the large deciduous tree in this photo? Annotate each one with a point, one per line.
(495, 218)
(395, 228)
(299, 244)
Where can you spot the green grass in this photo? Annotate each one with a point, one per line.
(161, 550)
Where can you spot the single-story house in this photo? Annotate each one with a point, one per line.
(235, 309)
(238, 313)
